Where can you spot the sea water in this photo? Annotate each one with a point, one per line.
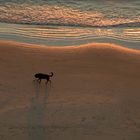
(71, 22)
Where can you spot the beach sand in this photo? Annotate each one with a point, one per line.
(94, 95)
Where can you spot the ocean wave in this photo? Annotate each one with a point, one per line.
(65, 15)
(131, 24)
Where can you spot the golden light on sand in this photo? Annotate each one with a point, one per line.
(95, 45)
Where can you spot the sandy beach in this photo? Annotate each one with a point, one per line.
(94, 94)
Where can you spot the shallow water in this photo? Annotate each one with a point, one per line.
(67, 36)
(65, 23)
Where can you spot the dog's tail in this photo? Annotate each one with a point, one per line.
(51, 74)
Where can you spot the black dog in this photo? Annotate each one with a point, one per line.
(41, 76)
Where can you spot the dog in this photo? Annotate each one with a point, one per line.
(41, 76)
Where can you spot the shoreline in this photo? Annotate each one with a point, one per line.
(66, 36)
(95, 45)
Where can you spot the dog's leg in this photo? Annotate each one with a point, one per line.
(39, 80)
(46, 81)
(50, 82)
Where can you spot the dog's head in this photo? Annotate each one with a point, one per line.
(36, 75)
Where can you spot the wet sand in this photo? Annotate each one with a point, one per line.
(94, 94)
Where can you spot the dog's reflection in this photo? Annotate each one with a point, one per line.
(36, 112)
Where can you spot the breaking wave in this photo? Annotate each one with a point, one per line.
(62, 13)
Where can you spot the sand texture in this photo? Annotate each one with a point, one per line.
(95, 92)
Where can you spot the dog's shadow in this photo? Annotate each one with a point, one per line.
(37, 111)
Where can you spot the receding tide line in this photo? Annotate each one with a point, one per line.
(94, 45)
